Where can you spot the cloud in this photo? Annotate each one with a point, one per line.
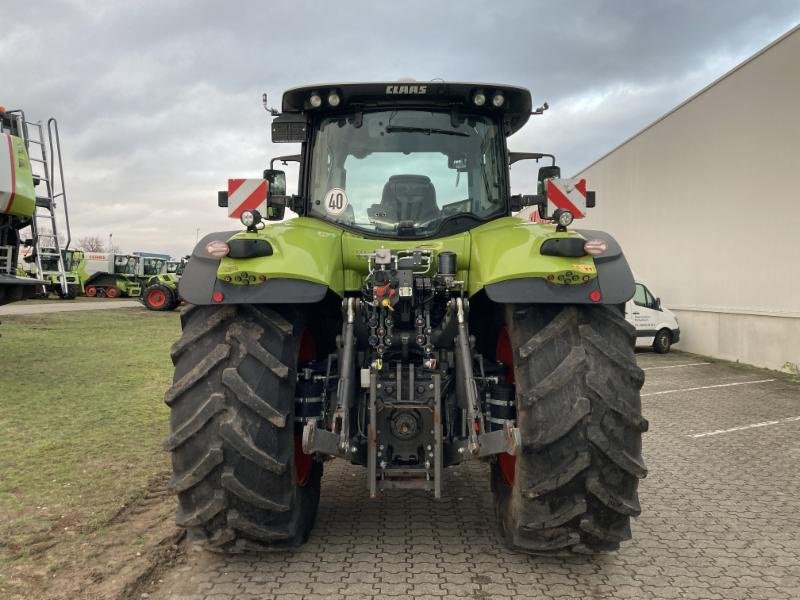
(159, 102)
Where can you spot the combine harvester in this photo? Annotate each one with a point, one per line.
(111, 275)
(74, 269)
(31, 186)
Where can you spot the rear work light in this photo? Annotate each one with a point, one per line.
(217, 249)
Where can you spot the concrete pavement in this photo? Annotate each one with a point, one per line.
(54, 306)
(720, 516)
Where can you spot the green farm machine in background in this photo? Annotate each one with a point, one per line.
(31, 190)
(111, 275)
(74, 269)
(408, 320)
(159, 279)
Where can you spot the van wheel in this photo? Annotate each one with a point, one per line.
(663, 341)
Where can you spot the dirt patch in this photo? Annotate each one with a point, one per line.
(113, 562)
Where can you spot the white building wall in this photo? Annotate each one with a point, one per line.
(706, 204)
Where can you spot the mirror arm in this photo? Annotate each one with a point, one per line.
(519, 201)
(294, 203)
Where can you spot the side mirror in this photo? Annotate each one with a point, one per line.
(658, 303)
(277, 182)
(276, 194)
(459, 163)
(551, 172)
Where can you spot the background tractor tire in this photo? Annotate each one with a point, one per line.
(176, 300)
(235, 470)
(158, 297)
(573, 487)
(662, 341)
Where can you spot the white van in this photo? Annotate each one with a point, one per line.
(655, 325)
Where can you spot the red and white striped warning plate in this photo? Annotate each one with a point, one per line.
(568, 194)
(247, 194)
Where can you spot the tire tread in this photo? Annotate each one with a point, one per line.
(578, 410)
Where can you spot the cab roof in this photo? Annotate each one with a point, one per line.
(516, 106)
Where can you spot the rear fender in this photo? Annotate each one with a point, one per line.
(305, 263)
(514, 270)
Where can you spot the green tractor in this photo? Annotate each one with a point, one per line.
(407, 321)
(159, 279)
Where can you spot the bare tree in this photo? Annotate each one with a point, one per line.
(91, 243)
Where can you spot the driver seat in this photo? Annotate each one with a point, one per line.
(409, 198)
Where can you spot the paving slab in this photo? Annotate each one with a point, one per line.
(720, 517)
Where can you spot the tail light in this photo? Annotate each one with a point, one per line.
(595, 247)
(217, 249)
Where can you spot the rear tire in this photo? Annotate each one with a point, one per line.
(232, 430)
(573, 487)
(662, 341)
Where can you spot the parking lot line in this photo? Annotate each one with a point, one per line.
(706, 387)
(743, 427)
(676, 366)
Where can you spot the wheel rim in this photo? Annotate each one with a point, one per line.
(91, 291)
(504, 354)
(664, 340)
(112, 292)
(303, 462)
(156, 298)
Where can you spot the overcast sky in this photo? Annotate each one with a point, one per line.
(159, 103)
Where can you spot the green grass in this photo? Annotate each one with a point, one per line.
(82, 418)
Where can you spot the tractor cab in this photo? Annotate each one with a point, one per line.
(402, 160)
(151, 266)
(125, 264)
(175, 267)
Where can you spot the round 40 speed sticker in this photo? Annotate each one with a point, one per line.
(335, 202)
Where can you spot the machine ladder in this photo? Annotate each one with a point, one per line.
(44, 152)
